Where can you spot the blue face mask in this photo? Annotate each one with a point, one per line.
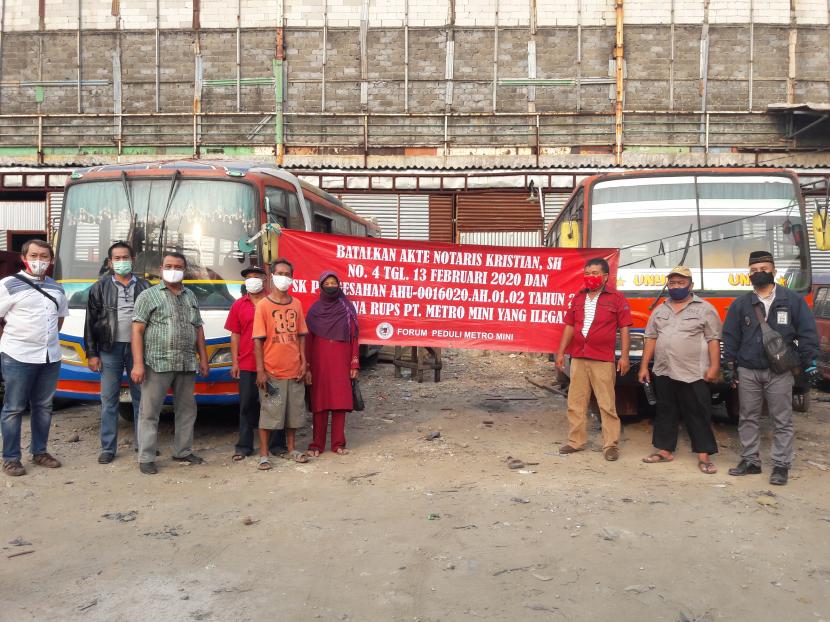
(679, 293)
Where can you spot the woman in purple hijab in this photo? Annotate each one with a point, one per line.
(332, 354)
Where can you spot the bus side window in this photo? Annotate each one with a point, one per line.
(322, 224)
(277, 205)
(821, 308)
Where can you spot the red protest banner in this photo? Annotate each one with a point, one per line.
(445, 295)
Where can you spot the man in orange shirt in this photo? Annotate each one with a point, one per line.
(279, 347)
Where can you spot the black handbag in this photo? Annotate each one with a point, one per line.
(357, 396)
(781, 356)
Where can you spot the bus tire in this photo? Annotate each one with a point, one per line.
(801, 402)
(125, 409)
(733, 406)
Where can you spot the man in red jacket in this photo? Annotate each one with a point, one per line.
(591, 324)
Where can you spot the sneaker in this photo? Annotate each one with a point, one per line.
(779, 476)
(148, 468)
(46, 460)
(191, 458)
(569, 449)
(745, 468)
(105, 457)
(611, 454)
(14, 468)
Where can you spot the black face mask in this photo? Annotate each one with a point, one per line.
(761, 279)
(330, 290)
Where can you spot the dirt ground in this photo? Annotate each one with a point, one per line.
(406, 528)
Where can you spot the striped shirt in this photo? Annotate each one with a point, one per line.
(31, 331)
(170, 336)
(590, 310)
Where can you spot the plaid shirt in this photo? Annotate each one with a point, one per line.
(170, 336)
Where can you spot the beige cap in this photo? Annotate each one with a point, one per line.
(682, 271)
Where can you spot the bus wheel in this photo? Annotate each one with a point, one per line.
(801, 402)
(125, 409)
(733, 407)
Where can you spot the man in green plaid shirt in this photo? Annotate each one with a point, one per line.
(167, 337)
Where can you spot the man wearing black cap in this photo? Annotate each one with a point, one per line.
(747, 364)
(240, 323)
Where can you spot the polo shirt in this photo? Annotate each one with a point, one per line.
(125, 301)
(612, 313)
(31, 331)
(682, 348)
(241, 321)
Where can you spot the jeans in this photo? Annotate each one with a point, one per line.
(249, 418)
(153, 392)
(28, 385)
(113, 365)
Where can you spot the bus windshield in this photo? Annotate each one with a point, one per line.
(708, 223)
(203, 219)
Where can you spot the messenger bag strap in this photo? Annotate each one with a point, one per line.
(34, 286)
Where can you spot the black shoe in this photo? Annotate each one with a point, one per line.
(745, 468)
(191, 458)
(779, 476)
(148, 468)
(105, 457)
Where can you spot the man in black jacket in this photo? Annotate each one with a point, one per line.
(747, 365)
(107, 336)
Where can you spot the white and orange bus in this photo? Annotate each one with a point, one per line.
(215, 214)
(708, 219)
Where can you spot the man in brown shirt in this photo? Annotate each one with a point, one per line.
(683, 337)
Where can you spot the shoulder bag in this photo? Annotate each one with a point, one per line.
(781, 356)
(36, 287)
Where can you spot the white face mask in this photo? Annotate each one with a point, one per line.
(172, 276)
(37, 267)
(253, 285)
(281, 282)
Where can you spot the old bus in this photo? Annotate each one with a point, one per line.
(708, 219)
(217, 215)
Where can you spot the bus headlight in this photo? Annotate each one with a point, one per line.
(221, 356)
(72, 354)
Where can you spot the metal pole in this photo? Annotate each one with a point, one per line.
(406, 56)
(579, 55)
(238, 55)
(496, 57)
(2, 28)
(158, 56)
(671, 59)
(78, 63)
(325, 55)
(751, 52)
(620, 90)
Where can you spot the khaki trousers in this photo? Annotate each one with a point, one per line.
(599, 376)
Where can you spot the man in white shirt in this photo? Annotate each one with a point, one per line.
(32, 308)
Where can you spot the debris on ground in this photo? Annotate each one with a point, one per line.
(19, 542)
(121, 517)
(432, 436)
(519, 500)
(249, 521)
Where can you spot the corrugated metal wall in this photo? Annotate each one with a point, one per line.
(498, 211)
(554, 202)
(21, 216)
(413, 223)
(501, 238)
(440, 218)
(54, 206)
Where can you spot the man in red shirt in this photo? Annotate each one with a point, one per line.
(591, 324)
(240, 324)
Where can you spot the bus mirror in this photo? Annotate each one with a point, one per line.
(569, 234)
(245, 246)
(820, 234)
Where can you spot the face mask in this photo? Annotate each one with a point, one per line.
(593, 281)
(761, 279)
(172, 276)
(282, 282)
(679, 293)
(37, 267)
(330, 290)
(253, 285)
(122, 268)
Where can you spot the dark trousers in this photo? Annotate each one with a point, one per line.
(249, 418)
(689, 401)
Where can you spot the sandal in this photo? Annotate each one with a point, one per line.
(298, 456)
(707, 467)
(341, 450)
(264, 464)
(656, 458)
(238, 457)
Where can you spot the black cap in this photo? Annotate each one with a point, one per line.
(760, 257)
(253, 270)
